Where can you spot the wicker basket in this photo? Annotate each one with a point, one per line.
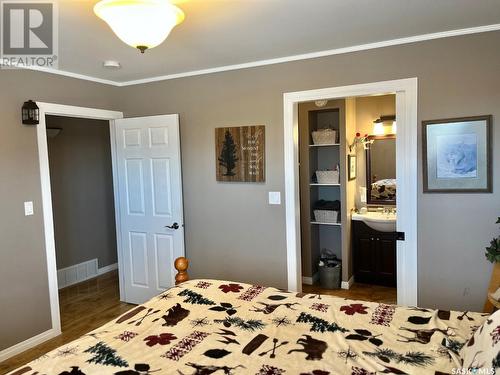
(327, 177)
(326, 216)
(324, 136)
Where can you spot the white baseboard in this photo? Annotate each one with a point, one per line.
(310, 280)
(347, 284)
(27, 344)
(74, 274)
(107, 269)
(77, 273)
(81, 272)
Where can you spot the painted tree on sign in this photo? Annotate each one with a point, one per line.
(228, 157)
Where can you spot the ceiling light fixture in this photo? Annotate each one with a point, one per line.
(53, 132)
(142, 24)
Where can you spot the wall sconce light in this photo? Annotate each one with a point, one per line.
(30, 113)
(380, 124)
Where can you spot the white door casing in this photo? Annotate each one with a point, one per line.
(150, 199)
(46, 207)
(164, 272)
(406, 171)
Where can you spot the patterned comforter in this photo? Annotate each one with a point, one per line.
(220, 327)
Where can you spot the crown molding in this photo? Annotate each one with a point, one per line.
(279, 60)
(67, 74)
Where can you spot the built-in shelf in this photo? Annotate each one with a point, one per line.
(321, 232)
(316, 184)
(325, 145)
(320, 223)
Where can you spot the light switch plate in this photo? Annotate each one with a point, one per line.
(28, 208)
(274, 197)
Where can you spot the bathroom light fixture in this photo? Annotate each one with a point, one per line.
(378, 127)
(394, 128)
(141, 24)
(380, 124)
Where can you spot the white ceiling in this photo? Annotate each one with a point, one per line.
(218, 33)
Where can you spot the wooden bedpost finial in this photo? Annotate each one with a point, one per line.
(181, 264)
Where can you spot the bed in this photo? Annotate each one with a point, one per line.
(222, 327)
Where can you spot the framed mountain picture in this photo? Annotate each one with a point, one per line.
(240, 154)
(457, 155)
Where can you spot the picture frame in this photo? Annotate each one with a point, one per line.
(352, 165)
(457, 155)
(240, 153)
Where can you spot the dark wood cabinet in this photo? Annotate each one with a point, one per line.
(374, 255)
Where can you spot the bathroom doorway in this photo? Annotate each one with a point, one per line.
(363, 128)
(341, 146)
(373, 234)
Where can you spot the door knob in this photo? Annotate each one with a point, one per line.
(173, 226)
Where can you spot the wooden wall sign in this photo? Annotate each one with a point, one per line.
(240, 153)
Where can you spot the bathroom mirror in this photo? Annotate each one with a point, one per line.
(381, 170)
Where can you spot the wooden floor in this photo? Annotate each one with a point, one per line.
(84, 307)
(362, 292)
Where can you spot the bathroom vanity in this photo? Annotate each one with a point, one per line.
(374, 250)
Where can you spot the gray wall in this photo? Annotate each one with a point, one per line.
(81, 180)
(231, 232)
(24, 296)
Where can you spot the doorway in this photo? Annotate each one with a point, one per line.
(337, 238)
(81, 176)
(50, 109)
(83, 206)
(406, 154)
(147, 192)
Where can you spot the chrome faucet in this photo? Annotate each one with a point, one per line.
(389, 211)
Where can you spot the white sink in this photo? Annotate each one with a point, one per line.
(383, 222)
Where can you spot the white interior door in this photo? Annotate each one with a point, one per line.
(150, 204)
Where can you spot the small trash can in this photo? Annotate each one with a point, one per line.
(330, 270)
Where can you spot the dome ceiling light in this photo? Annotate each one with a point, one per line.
(142, 24)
